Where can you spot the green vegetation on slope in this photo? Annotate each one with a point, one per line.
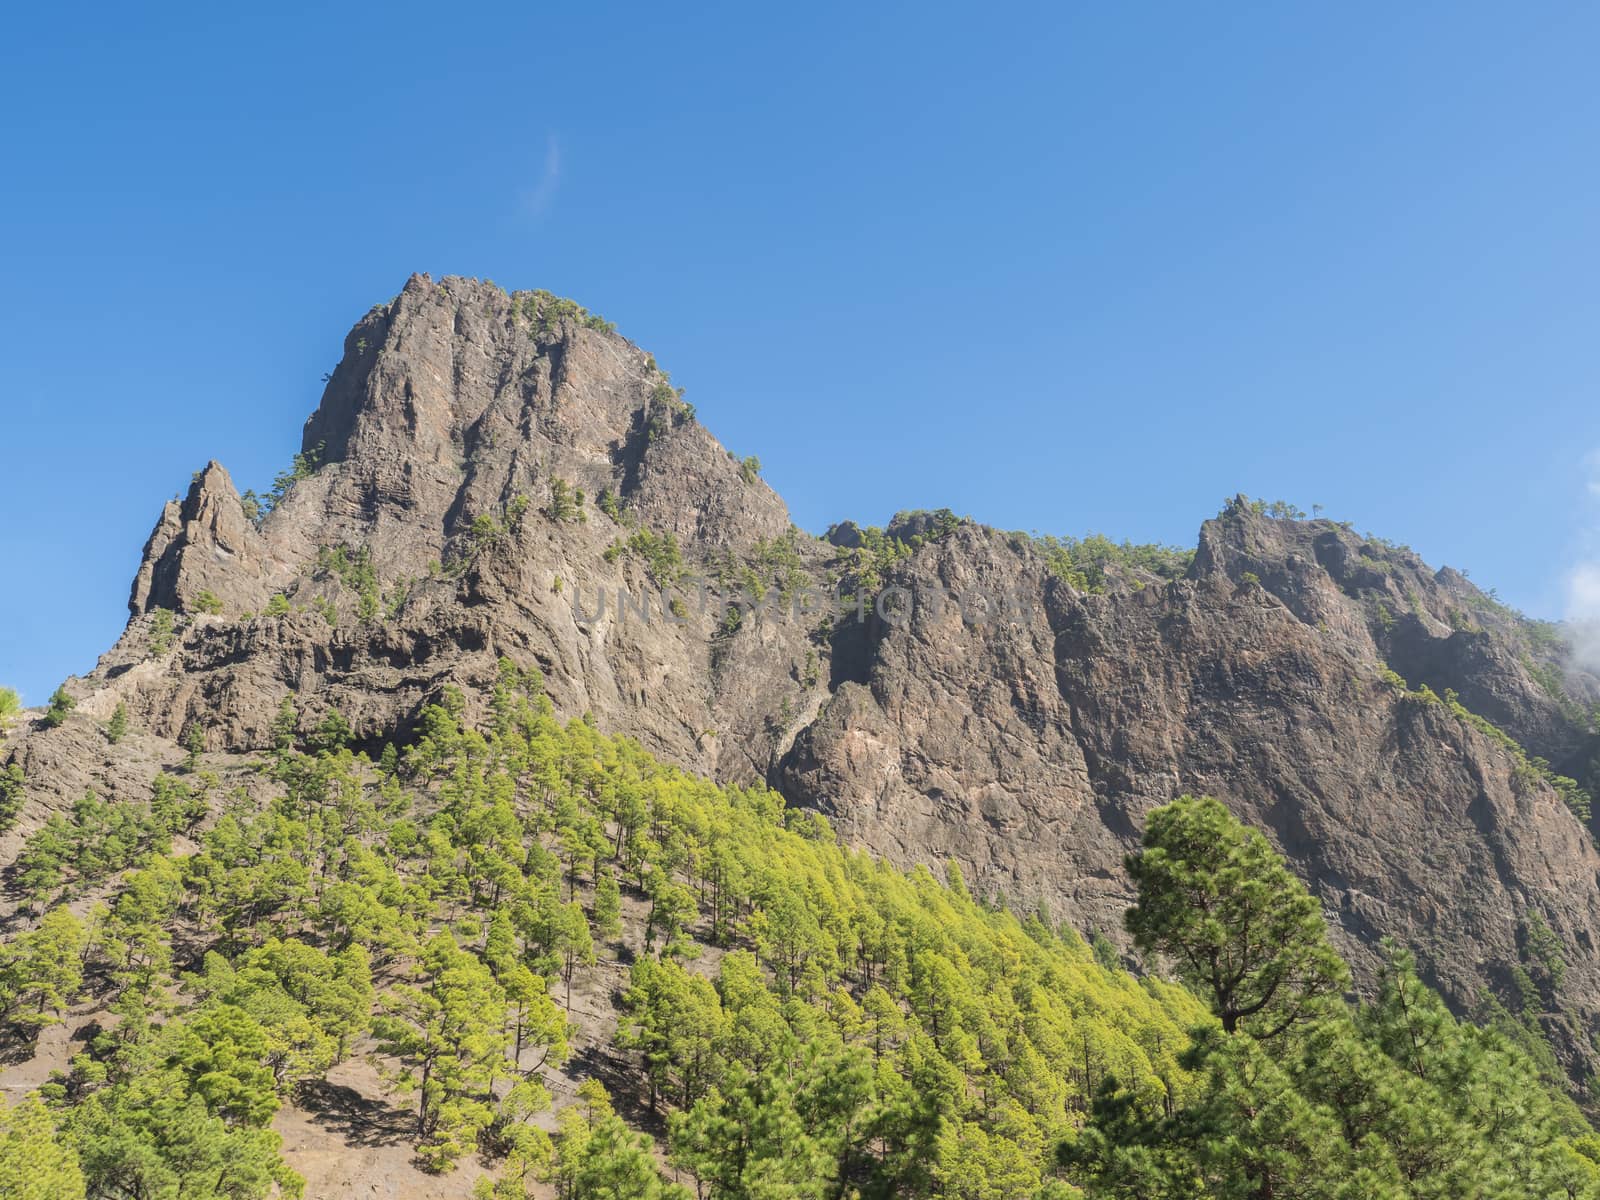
(879, 549)
(1303, 1093)
(546, 311)
(799, 1019)
(1528, 768)
(305, 465)
(1088, 563)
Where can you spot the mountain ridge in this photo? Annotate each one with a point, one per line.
(482, 461)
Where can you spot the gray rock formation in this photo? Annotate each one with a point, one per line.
(1031, 751)
(443, 529)
(205, 544)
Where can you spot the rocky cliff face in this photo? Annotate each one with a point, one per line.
(1030, 751)
(484, 467)
(451, 520)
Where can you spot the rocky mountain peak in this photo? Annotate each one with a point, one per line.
(497, 476)
(457, 398)
(204, 546)
(453, 402)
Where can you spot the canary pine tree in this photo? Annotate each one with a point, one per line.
(806, 1020)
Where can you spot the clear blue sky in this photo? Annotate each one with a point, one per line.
(1073, 267)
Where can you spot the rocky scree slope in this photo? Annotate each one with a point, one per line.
(483, 466)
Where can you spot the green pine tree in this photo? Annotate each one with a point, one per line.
(35, 1163)
(117, 726)
(1242, 930)
(61, 706)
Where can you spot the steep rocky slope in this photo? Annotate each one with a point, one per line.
(1030, 751)
(483, 467)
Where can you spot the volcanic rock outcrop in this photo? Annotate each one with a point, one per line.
(494, 476)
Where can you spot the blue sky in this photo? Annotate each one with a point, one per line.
(1070, 268)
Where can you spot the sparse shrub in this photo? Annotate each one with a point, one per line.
(208, 602)
(774, 561)
(353, 569)
(660, 553)
(333, 734)
(1089, 563)
(161, 627)
(305, 465)
(485, 532)
(667, 408)
(1541, 951)
(12, 794)
(546, 311)
(1280, 509)
(194, 741)
(285, 725)
(117, 727)
(61, 706)
(398, 595)
(566, 502)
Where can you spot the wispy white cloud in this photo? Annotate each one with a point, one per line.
(536, 200)
(1583, 581)
(1591, 473)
